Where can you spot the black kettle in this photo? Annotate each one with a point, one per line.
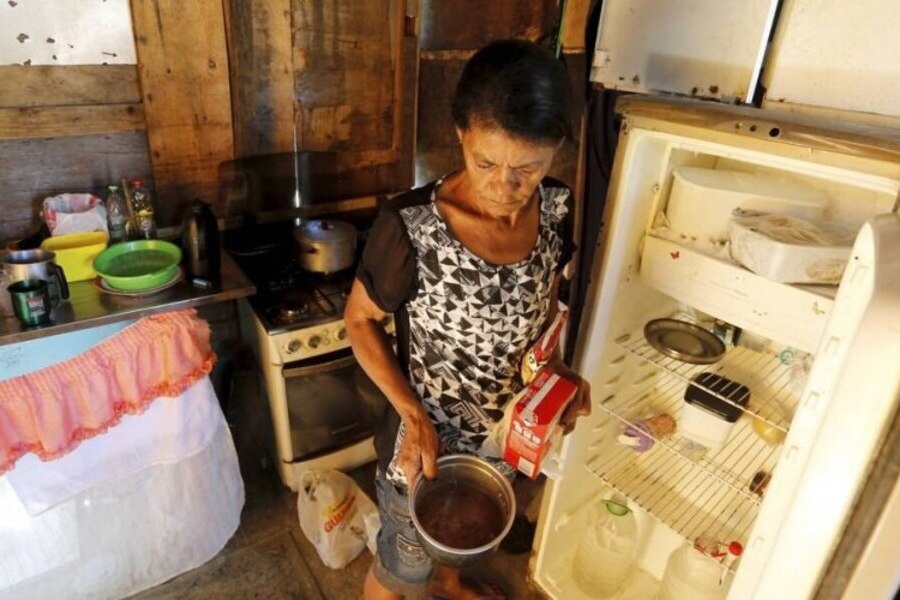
(200, 241)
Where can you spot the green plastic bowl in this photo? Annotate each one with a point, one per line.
(138, 265)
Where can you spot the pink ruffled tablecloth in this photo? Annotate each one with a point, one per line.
(48, 412)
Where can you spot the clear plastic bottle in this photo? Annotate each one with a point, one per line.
(143, 209)
(604, 558)
(694, 572)
(117, 214)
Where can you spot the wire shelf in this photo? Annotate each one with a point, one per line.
(771, 382)
(693, 490)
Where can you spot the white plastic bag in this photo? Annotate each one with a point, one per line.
(74, 213)
(333, 512)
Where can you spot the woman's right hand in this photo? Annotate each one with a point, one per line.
(419, 447)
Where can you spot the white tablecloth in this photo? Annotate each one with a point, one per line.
(157, 495)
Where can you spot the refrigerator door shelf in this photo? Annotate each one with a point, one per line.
(832, 442)
(794, 316)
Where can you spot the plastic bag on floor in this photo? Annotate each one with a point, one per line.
(333, 511)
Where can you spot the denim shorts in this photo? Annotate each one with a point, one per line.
(401, 564)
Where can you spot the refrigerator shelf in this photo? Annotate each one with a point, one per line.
(795, 315)
(771, 383)
(692, 490)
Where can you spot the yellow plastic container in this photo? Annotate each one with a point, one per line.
(75, 253)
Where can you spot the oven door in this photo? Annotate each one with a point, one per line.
(331, 403)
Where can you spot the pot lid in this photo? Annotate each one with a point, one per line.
(325, 230)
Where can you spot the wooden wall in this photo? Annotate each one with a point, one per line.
(66, 128)
(450, 34)
(183, 68)
(219, 79)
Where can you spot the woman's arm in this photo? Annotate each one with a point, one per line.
(372, 348)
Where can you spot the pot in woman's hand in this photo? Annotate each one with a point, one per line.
(463, 514)
(325, 246)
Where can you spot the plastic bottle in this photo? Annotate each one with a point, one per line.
(117, 214)
(694, 572)
(142, 206)
(605, 555)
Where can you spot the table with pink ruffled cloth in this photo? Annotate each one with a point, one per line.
(117, 469)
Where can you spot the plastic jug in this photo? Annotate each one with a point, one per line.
(200, 241)
(605, 555)
(698, 571)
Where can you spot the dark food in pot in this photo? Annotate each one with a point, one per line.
(460, 515)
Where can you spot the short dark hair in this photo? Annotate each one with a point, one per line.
(517, 86)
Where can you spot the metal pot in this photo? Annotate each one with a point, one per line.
(20, 265)
(325, 246)
(473, 471)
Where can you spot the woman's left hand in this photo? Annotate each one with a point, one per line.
(580, 406)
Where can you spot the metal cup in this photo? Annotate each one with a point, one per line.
(31, 301)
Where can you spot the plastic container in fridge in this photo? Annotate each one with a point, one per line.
(789, 250)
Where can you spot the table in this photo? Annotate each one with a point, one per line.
(89, 307)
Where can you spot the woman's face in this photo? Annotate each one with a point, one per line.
(504, 171)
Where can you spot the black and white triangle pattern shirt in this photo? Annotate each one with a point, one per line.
(463, 324)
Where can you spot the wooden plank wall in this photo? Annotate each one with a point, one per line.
(450, 34)
(448, 40)
(183, 69)
(262, 75)
(65, 128)
(355, 67)
(219, 79)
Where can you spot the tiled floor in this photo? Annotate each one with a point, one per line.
(269, 557)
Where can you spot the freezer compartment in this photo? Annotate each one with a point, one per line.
(699, 269)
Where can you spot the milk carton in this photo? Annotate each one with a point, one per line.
(534, 421)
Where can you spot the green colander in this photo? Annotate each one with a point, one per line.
(138, 265)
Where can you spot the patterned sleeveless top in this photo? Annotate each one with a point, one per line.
(470, 324)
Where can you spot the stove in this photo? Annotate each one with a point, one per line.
(322, 405)
(298, 299)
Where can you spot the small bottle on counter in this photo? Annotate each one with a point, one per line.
(117, 214)
(143, 209)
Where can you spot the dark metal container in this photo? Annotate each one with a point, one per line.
(200, 241)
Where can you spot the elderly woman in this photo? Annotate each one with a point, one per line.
(469, 266)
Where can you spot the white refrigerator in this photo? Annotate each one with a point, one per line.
(822, 362)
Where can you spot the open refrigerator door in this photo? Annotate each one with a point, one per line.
(754, 474)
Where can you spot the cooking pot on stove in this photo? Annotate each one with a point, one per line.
(325, 245)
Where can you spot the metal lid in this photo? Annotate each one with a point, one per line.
(325, 230)
(684, 341)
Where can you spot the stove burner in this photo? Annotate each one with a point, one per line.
(288, 297)
(293, 313)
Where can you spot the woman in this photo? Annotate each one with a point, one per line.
(469, 266)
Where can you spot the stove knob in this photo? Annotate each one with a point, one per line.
(341, 334)
(314, 341)
(293, 346)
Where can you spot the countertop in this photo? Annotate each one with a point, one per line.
(88, 306)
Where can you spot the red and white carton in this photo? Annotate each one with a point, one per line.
(535, 417)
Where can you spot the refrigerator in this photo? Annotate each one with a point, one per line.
(822, 362)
